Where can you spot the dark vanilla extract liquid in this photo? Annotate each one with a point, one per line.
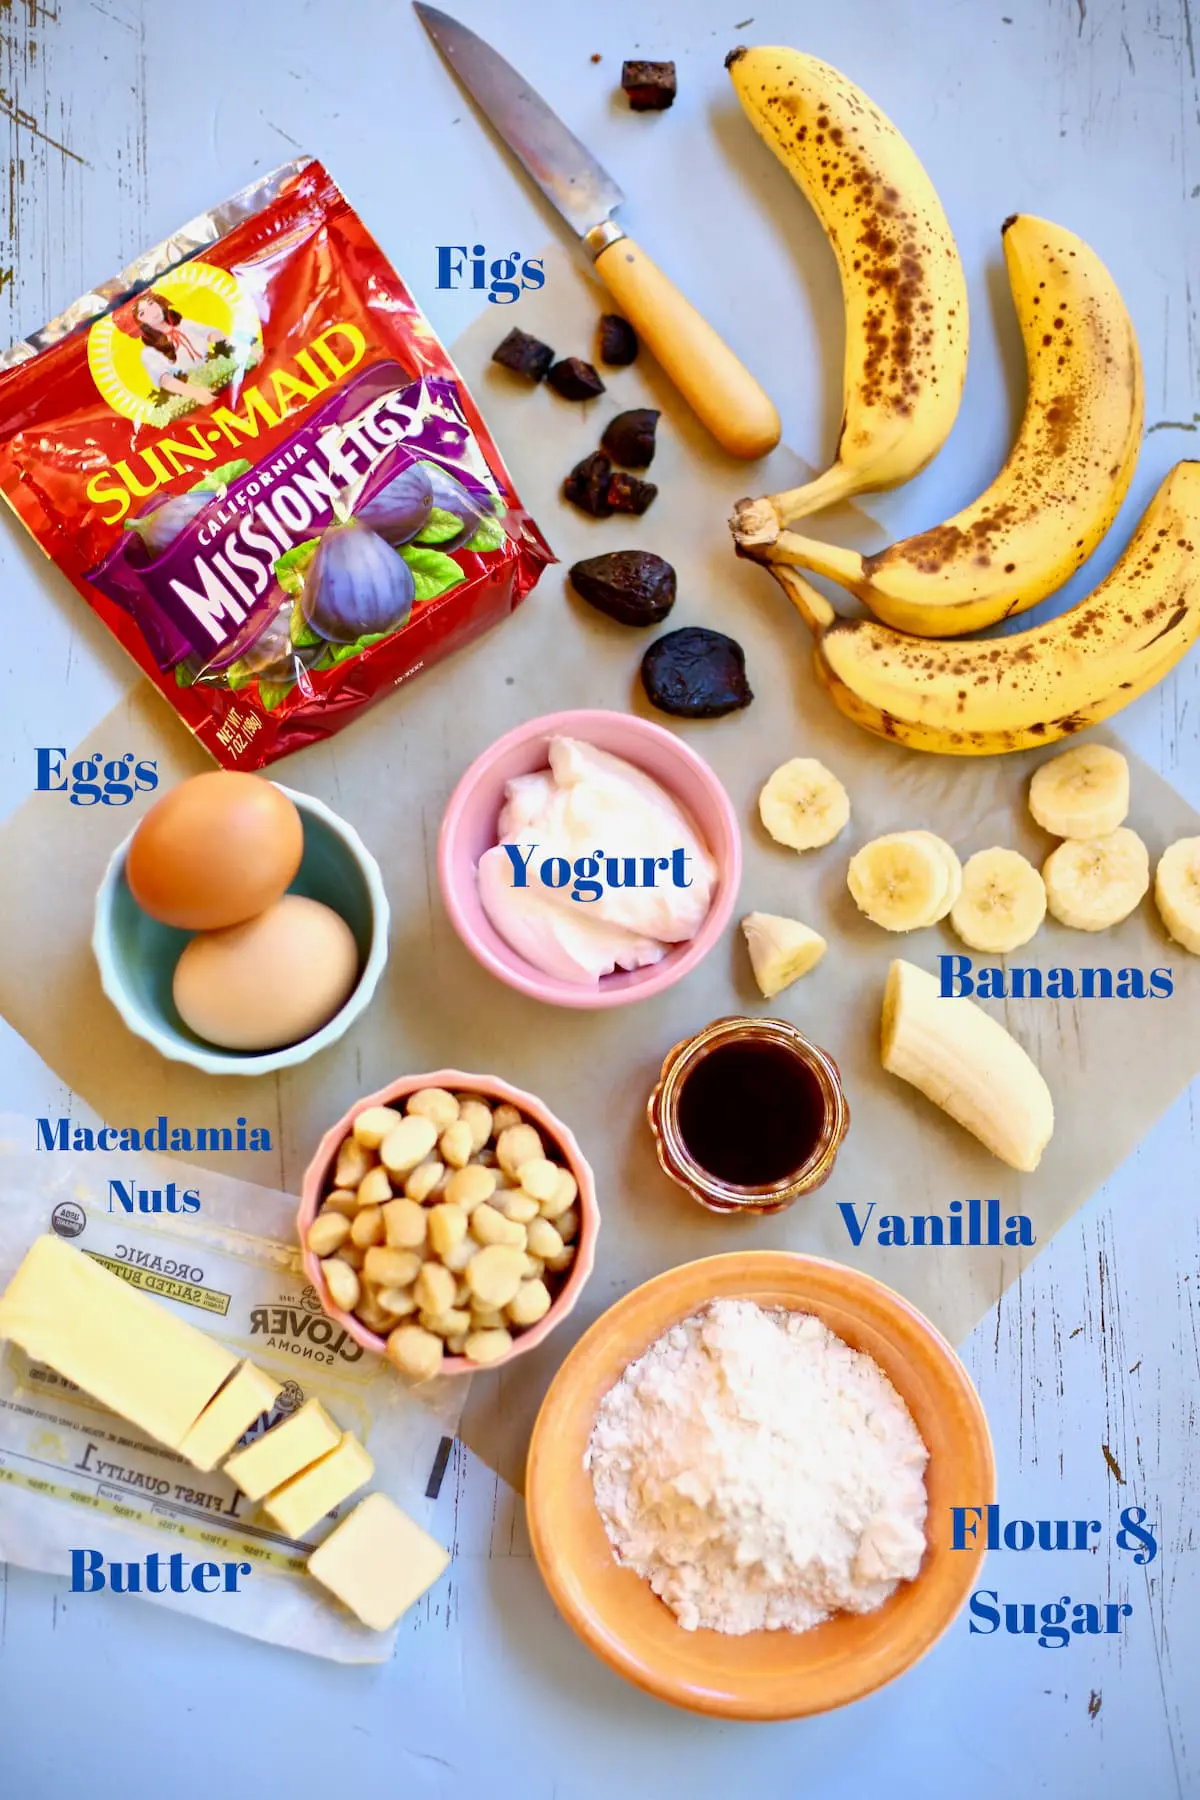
(751, 1114)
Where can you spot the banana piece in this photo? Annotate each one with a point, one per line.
(803, 805)
(1177, 892)
(1002, 904)
(781, 950)
(1029, 689)
(902, 281)
(1092, 883)
(963, 1060)
(954, 869)
(1084, 793)
(902, 881)
(1065, 477)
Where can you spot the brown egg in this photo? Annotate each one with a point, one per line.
(270, 981)
(215, 850)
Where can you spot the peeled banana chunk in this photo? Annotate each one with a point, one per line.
(1177, 892)
(781, 950)
(963, 1060)
(1082, 794)
(803, 804)
(1002, 903)
(1092, 883)
(904, 880)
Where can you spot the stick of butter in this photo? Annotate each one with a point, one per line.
(378, 1561)
(128, 1351)
(284, 1450)
(244, 1398)
(299, 1503)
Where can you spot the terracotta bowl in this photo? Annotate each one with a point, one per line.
(316, 1184)
(766, 1674)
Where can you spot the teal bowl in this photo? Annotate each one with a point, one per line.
(137, 955)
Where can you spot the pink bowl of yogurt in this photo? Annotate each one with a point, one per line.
(470, 828)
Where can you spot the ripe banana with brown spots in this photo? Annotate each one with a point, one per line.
(1010, 693)
(1064, 480)
(905, 294)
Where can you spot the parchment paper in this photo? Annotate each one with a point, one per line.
(1113, 1066)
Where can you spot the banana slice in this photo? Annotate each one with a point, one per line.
(1177, 892)
(904, 880)
(963, 1060)
(1092, 883)
(954, 869)
(1082, 794)
(803, 804)
(781, 950)
(1002, 904)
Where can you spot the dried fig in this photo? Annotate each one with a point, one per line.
(696, 673)
(635, 587)
(629, 438)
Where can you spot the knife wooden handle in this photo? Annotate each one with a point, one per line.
(720, 391)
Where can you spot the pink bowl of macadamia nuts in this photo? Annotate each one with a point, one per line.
(448, 1222)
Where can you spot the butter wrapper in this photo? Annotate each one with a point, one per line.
(74, 1476)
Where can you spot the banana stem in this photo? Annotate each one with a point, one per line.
(812, 606)
(837, 483)
(843, 566)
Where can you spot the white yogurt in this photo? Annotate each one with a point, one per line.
(596, 867)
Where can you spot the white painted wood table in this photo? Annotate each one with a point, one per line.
(125, 117)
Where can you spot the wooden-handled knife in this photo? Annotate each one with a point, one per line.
(721, 392)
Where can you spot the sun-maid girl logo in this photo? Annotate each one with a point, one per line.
(175, 346)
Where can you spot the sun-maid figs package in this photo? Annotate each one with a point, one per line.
(257, 464)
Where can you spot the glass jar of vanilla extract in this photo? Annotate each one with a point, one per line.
(748, 1115)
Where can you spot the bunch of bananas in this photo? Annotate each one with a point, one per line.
(1047, 509)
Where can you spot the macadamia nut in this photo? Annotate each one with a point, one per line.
(456, 1144)
(487, 1346)
(374, 1188)
(328, 1231)
(539, 1178)
(452, 1323)
(408, 1144)
(468, 1187)
(530, 1303)
(495, 1274)
(391, 1268)
(517, 1205)
(405, 1224)
(423, 1180)
(415, 1351)
(541, 1239)
(396, 1302)
(519, 1144)
(434, 1288)
(342, 1283)
(341, 1200)
(373, 1125)
(367, 1227)
(491, 1227)
(477, 1116)
(447, 1227)
(565, 1194)
(435, 1104)
(353, 1161)
(371, 1314)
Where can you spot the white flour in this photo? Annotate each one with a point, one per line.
(759, 1473)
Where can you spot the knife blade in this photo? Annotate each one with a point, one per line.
(575, 184)
(720, 390)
